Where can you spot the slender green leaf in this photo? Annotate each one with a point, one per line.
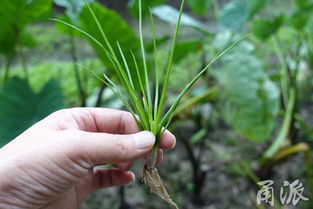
(170, 62)
(133, 6)
(115, 30)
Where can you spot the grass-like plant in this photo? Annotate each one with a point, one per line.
(146, 104)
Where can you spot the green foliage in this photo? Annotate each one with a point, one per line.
(65, 29)
(150, 46)
(170, 14)
(200, 6)
(133, 6)
(301, 14)
(309, 28)
(73, 8)
(185, 48)
(236, 13)
(299, 19)
(233, 16)
(42, 73)
(21, 107)
(116, 30)
(198, 136)
(255, 6)
(22, 12)
(72, 15)
(249, 100)
(263, 28)
(303, 3)
(15, 15)
(150, 111)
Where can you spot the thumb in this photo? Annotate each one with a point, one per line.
(103, 148)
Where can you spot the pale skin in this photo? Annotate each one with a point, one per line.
(52, 164)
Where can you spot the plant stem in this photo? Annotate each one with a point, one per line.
(152, 157)
(170, 63)
(216, 8)
(123, 203)
(99, 98)
(285, 128)
(194, 163)
(301, 147)
(9, 60)
(23, 61)
(76, 72)
(291, 150)
(285, 82)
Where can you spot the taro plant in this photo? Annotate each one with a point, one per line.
(294, 63)
(21, 106)
(275, 36)
(146, 99)
(15, 16)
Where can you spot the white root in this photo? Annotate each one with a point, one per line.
(152, 178)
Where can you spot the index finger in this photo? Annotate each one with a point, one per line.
(92, 120)
(100, 120)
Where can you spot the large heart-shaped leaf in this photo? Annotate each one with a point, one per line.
(250, 100)
(236, 13)
(233, 16)
(20, 107)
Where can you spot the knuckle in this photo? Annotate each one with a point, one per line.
(121, 124)
(120, 146)
(126, 123)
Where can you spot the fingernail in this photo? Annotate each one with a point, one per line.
(144, 140)
(133, 177)
(174, 137)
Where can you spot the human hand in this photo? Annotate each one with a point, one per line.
(52, 164)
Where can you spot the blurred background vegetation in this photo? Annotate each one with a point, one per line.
(248, 119)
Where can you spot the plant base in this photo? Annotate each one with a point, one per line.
(152, 178)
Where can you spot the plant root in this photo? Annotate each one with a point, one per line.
(152, 178)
